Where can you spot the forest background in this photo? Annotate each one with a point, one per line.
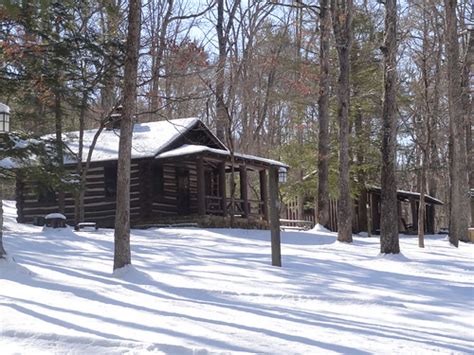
(254, 71)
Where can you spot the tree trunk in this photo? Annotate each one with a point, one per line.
(79, 195)
(323, 113)
(342, 24)
(274, 216)
(389, 243)
(434, 160)
(468, 105)
(122, 255)
(3, 253)
(221, 115)
(459, 207)
(110, 28)
(59, 145)
(421, 208)
(424, 137)
(361, 188)
(158, 47)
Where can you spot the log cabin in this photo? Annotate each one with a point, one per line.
(180, 173)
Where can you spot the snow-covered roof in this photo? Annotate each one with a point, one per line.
(4, 108)
(55, 216)
(197, 149)
(148, 139)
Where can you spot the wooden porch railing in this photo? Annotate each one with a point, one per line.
(214, 206)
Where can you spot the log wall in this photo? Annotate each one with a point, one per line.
(167, 204)
(98, 208)
(147, 206)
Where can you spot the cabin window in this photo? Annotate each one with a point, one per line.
(110, 180)
(46, 194)
(157, 178)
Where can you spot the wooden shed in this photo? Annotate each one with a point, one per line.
(180, 172)
(405, 225)
(366, 211)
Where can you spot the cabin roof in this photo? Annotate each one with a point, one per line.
(153, 139)
(190, 149)
(148, 140)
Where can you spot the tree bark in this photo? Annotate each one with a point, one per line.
(323, 113)
(122, 255)
(459, 204)
(342, 24)
(389, 242)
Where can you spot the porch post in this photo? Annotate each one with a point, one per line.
(363, 202)
(201, 187)
(369, 214)
(430, 218)
(244, 190)
(264, 193)
(414, 214)
(222, 188)
(375, 212)
(274, 216)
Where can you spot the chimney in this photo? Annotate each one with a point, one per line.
(114, 119)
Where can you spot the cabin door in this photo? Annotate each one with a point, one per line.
(183, 198)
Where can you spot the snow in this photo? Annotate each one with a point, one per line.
(148, 139)
(205, 291)
(319, 228)
(8, 163)
(55, 215)
(189, 149)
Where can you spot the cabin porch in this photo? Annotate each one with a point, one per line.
(212, 183)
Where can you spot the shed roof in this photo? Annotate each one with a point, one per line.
(408, 195)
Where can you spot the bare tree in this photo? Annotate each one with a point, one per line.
(122, 255)
(458, 214)
(223, 29)
(389, 242)
(323, 115)
(342, 21)
(161, 12)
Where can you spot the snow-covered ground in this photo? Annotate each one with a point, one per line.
(195, 291)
